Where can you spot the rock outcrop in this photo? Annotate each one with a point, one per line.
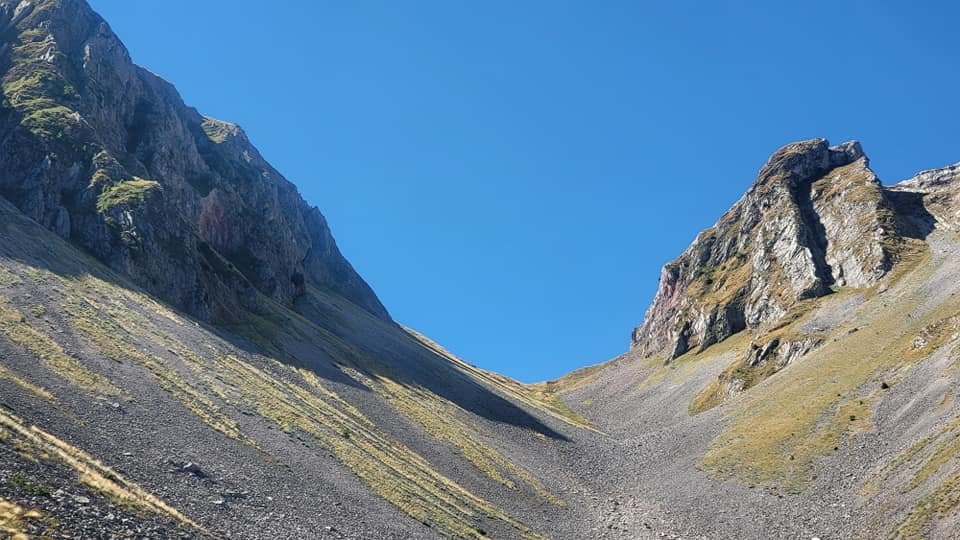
(941, 190)
(106, 154)
(815, 219)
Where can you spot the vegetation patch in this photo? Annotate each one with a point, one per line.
(9, 279)
(20, 482)
(51, 123)
(217, 130)
(90, 472)
(39, 87)
(439, 418)
(7, 375)
(782, 427)
(14, 326)
(96, 311)
(14, 519)
(129, 192)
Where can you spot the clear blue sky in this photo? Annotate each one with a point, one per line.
(510, 175)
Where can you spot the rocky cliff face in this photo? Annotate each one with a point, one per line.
(815, 219)
(107, 155)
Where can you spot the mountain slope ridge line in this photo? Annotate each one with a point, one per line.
(201, 360)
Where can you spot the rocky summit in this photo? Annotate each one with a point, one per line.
(185, 353)
(816, 219)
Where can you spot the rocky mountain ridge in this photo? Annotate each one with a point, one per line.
(815, 220)
(106, 154)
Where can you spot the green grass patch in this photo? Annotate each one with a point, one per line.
(129, 192)
(20, 481)
(50, 122)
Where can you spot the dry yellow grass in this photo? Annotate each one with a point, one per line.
(15, 327)
(90, 472)
(778, 430)
(13, 520)
(391, 469)
(6, 374)
(441, 420)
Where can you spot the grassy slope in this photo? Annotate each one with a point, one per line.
(777, 432)
(35, 444)
(87, 308)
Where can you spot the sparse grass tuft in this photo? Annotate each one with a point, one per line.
(14, 326)
(20, 481)
(13, 518)
(6, 374)
(91, 472)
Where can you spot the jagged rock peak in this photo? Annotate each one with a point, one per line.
(107, 155)
(815, 218)
(804, 161)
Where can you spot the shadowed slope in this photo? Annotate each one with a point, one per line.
(310, 395)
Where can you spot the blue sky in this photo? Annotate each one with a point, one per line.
(509, 176)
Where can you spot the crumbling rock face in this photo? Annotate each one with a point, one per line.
(815, 218)
(106, 154)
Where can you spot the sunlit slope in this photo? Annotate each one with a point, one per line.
(865, 409)
(881, 382)
(277, 396)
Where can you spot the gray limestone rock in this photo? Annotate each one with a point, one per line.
(815, 218)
